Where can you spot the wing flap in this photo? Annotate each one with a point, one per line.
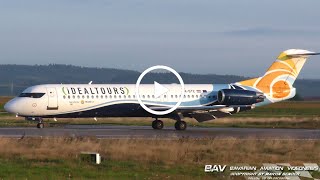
(211, 115)
(197, 108)
(201, 117)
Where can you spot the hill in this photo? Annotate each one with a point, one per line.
(15, 78)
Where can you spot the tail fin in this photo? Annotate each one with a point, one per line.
(277, 82)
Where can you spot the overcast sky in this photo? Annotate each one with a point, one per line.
(221, 37)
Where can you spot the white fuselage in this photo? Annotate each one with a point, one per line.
(95, 100)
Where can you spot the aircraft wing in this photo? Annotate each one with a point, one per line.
(206, 113)
(190, 108)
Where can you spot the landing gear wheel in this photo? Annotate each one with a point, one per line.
(40, 125)
(157, 124)
(180, 125)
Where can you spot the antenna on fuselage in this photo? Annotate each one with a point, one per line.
(90, 82)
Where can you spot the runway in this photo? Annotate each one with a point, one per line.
(146, 132)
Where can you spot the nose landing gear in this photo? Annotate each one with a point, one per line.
(40, 125)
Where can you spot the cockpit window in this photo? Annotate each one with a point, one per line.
(32, 95)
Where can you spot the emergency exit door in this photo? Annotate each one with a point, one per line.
(52, 99)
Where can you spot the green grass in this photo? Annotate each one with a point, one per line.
(285, 109)
(58, 158)
(307, 123)
(17, 168)
(280, 112)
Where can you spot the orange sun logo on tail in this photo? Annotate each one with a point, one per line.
(277, 82)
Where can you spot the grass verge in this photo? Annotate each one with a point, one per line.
(58, 158)
(241, 122)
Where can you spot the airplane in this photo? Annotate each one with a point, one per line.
(203, 102)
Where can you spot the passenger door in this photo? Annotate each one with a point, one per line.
(52, 99)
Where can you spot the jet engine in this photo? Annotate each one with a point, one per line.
(239, 97)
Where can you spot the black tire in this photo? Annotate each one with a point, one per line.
(157, 124)
(40, 125)
(180, 125)
(154, 124)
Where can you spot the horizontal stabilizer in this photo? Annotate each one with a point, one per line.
(291, 53)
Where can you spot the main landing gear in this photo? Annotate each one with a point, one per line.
(179, 125)
(157, 124)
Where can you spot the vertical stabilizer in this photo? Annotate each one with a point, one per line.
(277, 82)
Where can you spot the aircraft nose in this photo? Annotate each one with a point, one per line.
(9, 107)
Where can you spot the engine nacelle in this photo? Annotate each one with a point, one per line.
(239, 97)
